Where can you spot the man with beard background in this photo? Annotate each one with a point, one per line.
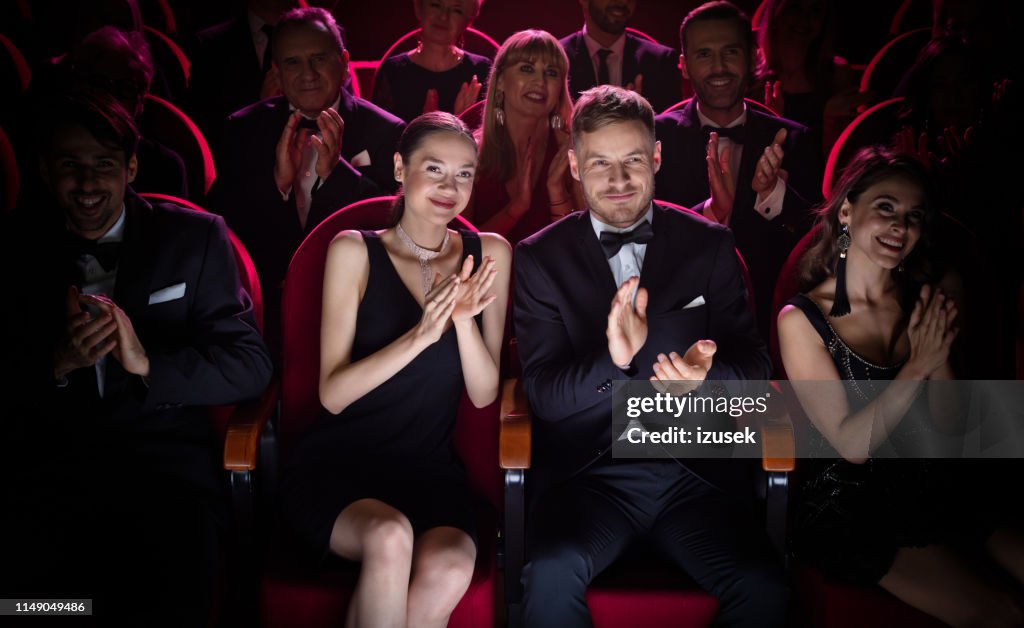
(603, 53)
(672, 283)
(754, 172)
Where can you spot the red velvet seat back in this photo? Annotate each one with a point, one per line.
(163, 122)
(473, 115)
(876, 125)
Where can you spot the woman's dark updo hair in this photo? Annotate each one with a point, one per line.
(415, 134)
(871, 165)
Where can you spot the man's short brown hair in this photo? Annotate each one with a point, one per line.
(607, 104)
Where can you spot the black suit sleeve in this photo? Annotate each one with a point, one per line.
(222, 359)
(741, 353)
(803, 188)
(558, 382)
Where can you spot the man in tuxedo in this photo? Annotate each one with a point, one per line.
(128, 321)
(604, 53)
(289, 162)
(763, 172)
(631, 290)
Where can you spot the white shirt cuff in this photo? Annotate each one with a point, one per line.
(771, 207)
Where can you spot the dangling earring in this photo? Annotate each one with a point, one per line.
(556, 122)
(841, 303)
(499, 109)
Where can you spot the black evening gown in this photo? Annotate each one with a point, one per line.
(393, 444)
(849, 519)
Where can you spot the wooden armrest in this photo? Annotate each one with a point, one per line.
(241, 444)
(778, 449)
(778, 443)
(515, 430)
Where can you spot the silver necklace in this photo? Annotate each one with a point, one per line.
(423, 255)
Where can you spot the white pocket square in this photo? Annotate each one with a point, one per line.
(169, 293)
(699, 301)
(360, 160)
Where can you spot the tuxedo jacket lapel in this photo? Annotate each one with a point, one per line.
(593, 254)
(134, 271)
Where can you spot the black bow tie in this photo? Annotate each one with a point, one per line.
(306, 123)
(734, 133)
(612, 241)
(106, 253)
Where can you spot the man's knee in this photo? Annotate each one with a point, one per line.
(556, 567)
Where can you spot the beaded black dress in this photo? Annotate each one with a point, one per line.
(393, 444)
(849, 519)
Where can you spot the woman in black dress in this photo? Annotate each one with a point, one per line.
(865, 515)
(411, 316)
(438, 75)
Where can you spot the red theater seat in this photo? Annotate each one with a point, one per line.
(295, 593)
(892, 61)
(167, 124)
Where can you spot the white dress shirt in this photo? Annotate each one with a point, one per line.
(629, 261)
(306, 178)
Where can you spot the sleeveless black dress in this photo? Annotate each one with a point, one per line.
(393, 444)
(849, 519)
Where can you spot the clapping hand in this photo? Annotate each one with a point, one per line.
(437, 309)
(128, 349)
(769, 167)
(292, 143)
(328, 148)
(467, 95)
(627, 322)
(430, 101)
(680, 374)
(288, 154)
(86, 339)
(723, 187)
(472, 297)
(931, 331)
